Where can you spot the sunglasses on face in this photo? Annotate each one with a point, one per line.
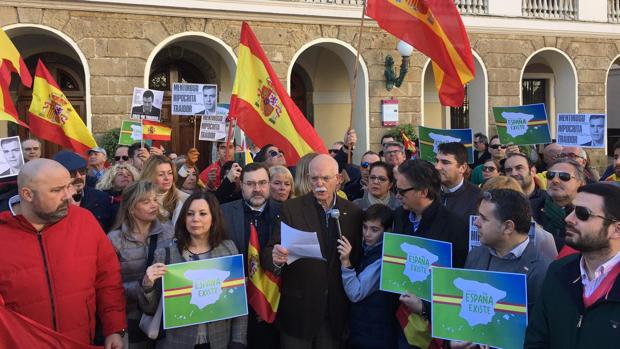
(81, 171)
(583, 214)
(488, 169)
(122, 157)
(564, 176)
(333, 151)
(274, 153)
(365, 164)
(497, 146)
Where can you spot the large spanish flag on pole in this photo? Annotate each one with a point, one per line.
(7, 108)
(263, 109)
(12, 60)
(264, 287)
(435, 28)
(52, 117)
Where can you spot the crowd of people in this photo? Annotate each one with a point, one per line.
(85, 239)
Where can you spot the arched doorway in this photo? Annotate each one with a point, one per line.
(613, 104)
(190, 58)
(474, 112)
(64, 63)
(550, 77)
(321, 76)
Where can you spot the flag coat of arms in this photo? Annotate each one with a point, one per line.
(53, 118)
(263, 109)
(435, 28)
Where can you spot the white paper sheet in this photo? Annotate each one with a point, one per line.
(300, 244)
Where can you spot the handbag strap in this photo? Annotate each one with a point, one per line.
(152, 247)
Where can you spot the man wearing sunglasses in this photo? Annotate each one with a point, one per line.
(457, 194)
(564, 177)
(418, 187)
(481, 149)
(121, 155)
(578, 304)
(96, 201)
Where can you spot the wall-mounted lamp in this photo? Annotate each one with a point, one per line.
(405, 50)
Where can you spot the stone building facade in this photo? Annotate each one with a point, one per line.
(111, 47)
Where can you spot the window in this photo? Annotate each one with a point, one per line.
(459, 116)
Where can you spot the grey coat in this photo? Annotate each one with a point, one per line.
(220, 333)
(132, 256)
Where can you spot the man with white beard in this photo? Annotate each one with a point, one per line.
(313, 308)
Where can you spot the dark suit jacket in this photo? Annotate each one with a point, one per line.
(138, 110)
(235, 222)
(311, 290)
(100, 205)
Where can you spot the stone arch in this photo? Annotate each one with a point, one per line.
(331, 85)
(612, 105)
(69, 48)
(195, 57)
(477, 93)
(558, 70)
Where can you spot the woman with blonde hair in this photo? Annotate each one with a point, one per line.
(137, 234)
(115, 179)
(302, 183)
(160, 170)
(281, 183)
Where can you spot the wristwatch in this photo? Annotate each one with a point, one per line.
(122, 332)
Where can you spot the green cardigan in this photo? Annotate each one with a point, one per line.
(560, 320)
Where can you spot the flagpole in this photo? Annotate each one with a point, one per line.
(142, 130)
(229, 140)
(194, 134)
(355, 71)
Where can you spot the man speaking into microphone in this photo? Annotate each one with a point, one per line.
(313, 305)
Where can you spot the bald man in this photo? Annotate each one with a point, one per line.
(313, 308)
(63, 269)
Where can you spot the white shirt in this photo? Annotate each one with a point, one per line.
(515, 253)
(589, 286)
(453, 189)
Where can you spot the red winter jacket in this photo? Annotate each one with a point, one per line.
(62, 275)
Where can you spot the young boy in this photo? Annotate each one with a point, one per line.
(372, 320)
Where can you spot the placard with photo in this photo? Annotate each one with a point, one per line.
(146, 104)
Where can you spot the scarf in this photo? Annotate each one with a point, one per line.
(554, 218)
(373, 200)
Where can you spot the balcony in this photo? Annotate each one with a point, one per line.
(613, 11)
(550, 9)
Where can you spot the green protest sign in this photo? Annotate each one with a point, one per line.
(522, 125)
(479, 306)
(406, 263)
(431, 138)
(204, 291)
(131, 132)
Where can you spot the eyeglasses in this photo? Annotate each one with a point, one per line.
(497, 146)
(380, 179)
(564, 176)
(123, 157)
(392, 152)
(569, 156)
(254, 184)
(333, 151)
(488, 169)
(365, 164)
(401, 192)
(583, 214)
(81, 171)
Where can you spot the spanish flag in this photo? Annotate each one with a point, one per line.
(11, 60)
(263, 109)
(409, 144)
(7, 108)
(264, 287)
(416, 329)
(52, 117)
(433, 27)
(155, 131)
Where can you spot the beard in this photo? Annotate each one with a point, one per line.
(590, 243)
(257, 200)
(52, 217)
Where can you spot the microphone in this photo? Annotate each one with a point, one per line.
(335, 214)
